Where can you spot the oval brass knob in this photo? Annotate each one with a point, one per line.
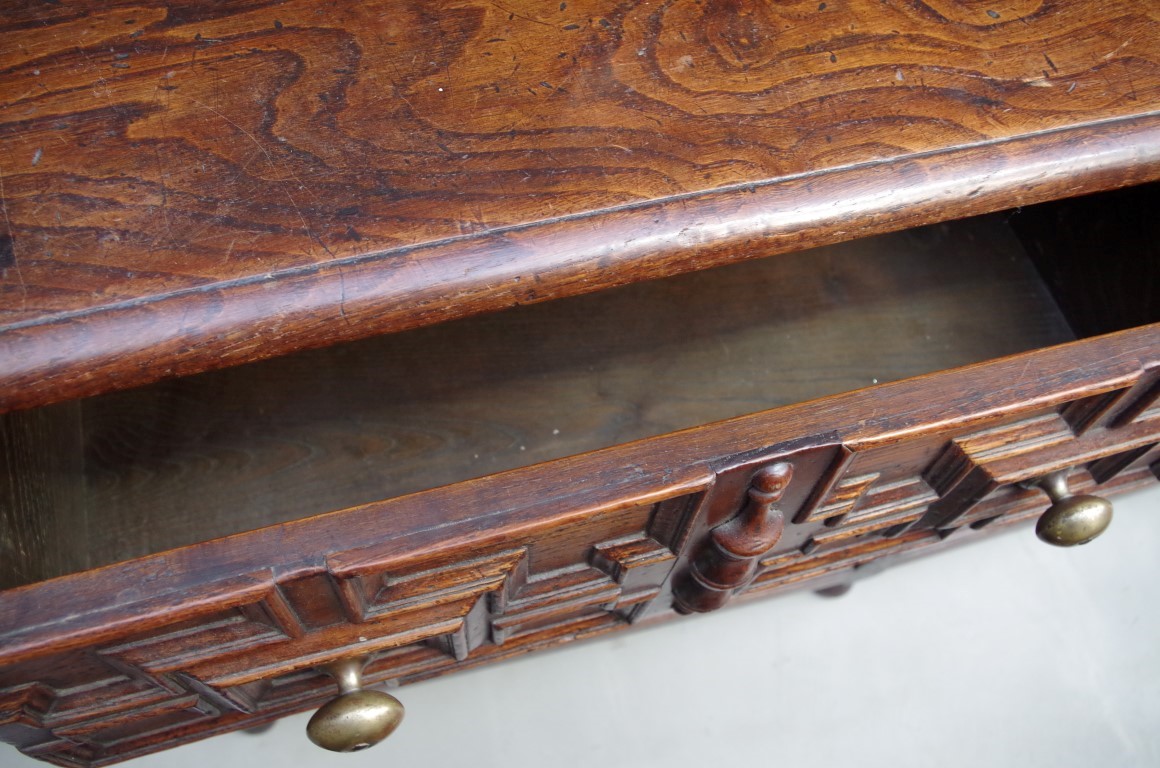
(356, 718)
(1070, 520)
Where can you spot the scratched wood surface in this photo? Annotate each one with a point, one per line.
(231, 451)
(111, 663)
(120, 661)
(191, 185)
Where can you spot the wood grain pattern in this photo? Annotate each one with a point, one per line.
(728, 561)
(196, 185)
(44, 529)
(251, 652)
(971, 399)
(115, 662)
(854, 502)
(306, 434)
(1119, 289)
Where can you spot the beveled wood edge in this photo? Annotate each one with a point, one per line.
(98, 605)
(117, 346)
(922, 543)
(915, 547)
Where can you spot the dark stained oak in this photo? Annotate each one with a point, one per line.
(729, 560)
(968, 399)
(213, 482)
(105, 665)
(195, 185)
(44, 529)
(229, 451)
(1119, 288)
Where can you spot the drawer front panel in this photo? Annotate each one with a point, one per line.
(179, 646)
(885, 494)
(484, 595)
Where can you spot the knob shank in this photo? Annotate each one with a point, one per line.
(1071, 520)
(357, 718)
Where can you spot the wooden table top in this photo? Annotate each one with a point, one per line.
(191, 185)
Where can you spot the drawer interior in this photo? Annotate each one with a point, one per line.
(132, 473)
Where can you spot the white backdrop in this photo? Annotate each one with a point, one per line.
(1004, 653)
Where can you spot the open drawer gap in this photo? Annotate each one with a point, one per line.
(137, 472)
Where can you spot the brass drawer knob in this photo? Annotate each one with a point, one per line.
(1071, 519)
(356, 718)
